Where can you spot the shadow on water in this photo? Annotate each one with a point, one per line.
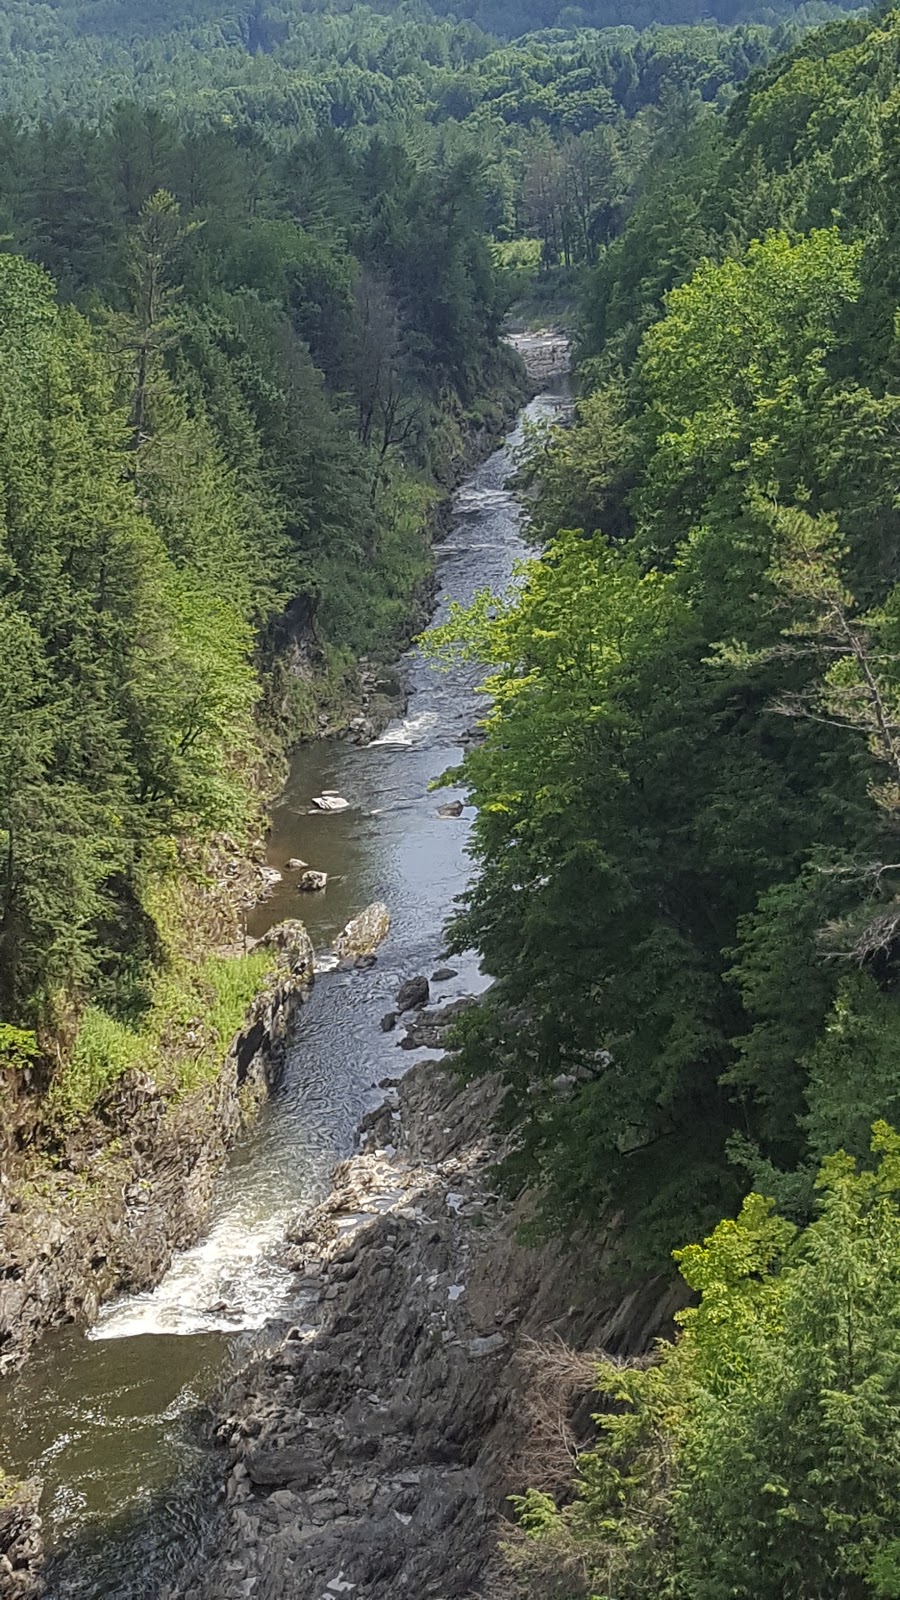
(109, 1421)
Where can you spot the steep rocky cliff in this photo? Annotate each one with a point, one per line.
(370, 1452)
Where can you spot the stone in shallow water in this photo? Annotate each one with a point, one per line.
(413, 994)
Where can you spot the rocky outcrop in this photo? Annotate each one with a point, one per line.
(135, 1183)
(20, 1542)
(370, 1452)
(427, 1030)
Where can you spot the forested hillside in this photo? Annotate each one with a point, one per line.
(233, 381)
(253, 280)
(271, 323)
(686, 841)
(296, 66)
(526, 16)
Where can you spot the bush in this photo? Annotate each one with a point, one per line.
(759, 1457)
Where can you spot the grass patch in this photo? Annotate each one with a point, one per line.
(232, 983)
(104, 1050)
(194, 1014)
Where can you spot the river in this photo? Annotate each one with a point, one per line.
(105, 1420)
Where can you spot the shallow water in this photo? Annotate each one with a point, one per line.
(104, 1419)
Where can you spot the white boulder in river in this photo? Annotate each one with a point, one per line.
(365, 933)
(329, 801)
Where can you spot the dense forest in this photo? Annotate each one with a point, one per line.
(222, 434)
(686, 838)
(244, 359)
(296, 67)
(254, 273)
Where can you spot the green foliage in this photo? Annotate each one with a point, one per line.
(104, 1050)
(195, 1011)
(757, 1456)
(687, 890)
(18, 1047)
(220, 445)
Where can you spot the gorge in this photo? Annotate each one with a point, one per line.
(108, 1421)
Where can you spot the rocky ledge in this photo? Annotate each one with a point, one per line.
(138, 1185)
(370, 1451)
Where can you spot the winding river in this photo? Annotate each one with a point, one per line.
(105, 1420)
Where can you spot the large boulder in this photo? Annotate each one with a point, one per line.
(312, 882)
(364, 933)
(413, 994)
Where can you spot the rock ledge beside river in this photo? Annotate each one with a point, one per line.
(138, 1186)
(20, 1542)
(370, 1451)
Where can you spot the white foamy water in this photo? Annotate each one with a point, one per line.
(405, 734)
(229, 1282)
(470, 502)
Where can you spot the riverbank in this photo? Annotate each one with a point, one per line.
(372, 1449)
(106, 1212)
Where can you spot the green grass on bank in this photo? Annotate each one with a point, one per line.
(194, 1014)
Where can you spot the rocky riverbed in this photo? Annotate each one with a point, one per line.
(370, 1451)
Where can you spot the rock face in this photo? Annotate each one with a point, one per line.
(20, 1542)
(113, 1221)
(428, 1029)
(363, 935)
(370, 1451)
